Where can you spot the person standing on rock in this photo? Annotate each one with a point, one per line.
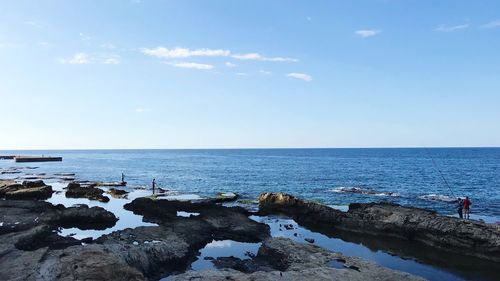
(467, 205)
(460, 208)
(154, 184)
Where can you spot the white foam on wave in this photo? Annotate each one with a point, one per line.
(438, 197)
(359, 190)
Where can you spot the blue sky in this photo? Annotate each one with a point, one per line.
(227, 74)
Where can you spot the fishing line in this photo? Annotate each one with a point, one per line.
(440, 173)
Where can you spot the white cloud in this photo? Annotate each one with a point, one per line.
(365, 33)
(265, 72)
(242, 74)
(444, 28)
(140, 110)
(192, 65)
(84, 58)
(230, 64)
(111, 59)
(492, 24)
(301, 76)
(78, 58)
(259, 57)
(162, 52)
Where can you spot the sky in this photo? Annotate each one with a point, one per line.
(249, 74)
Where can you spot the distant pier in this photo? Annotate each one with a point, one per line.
(7, 157)
(36, 159)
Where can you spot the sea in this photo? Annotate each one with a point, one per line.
(429, 178)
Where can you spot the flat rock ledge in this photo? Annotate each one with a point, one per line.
(75, 190)
(27, 190)
(28, 234)
(450, 234)
(31, 249)
(284, 259)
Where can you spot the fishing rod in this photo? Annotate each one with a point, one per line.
(440, 173)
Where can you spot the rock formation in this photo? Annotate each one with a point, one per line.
(450, 234)
(284, 259)
(75, 190)
(27, 190)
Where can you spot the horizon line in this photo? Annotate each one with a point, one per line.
(249, 148)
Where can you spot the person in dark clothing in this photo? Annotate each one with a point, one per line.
(467, 205)
(154, 185)
(460, 208)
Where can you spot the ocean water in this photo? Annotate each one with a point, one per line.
(331, 176)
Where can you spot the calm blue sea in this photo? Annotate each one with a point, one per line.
(332, 176)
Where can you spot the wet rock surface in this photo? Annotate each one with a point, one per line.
(75, 190)
(28, 233)
(142, 253)
(284, 259)
(20, 215)
(225, 222)
(27, 190)
(90, 262)
(226, 197)
(117, 193)
(390, 220)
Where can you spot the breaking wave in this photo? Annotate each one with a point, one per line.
(438, 197)
(364, 191)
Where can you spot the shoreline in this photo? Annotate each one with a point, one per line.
(298, 232)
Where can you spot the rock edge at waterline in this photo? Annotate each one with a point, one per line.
(450, 234)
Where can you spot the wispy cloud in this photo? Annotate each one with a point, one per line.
(84, 37)
(242, 74)
(85, 58)
(445, 28)
(44, 44)
(162, 52)
(178, 52)
(300, 76)
(365, 33)
(265, 72)
(192, 65)
(78, 58)
(259, 57)
(230, 64)
(7, 45)
(492, 24)
(111, 59)
(141, 110)
(33, 23)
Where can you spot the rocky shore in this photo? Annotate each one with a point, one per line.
(464, 237)
(32, 249)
